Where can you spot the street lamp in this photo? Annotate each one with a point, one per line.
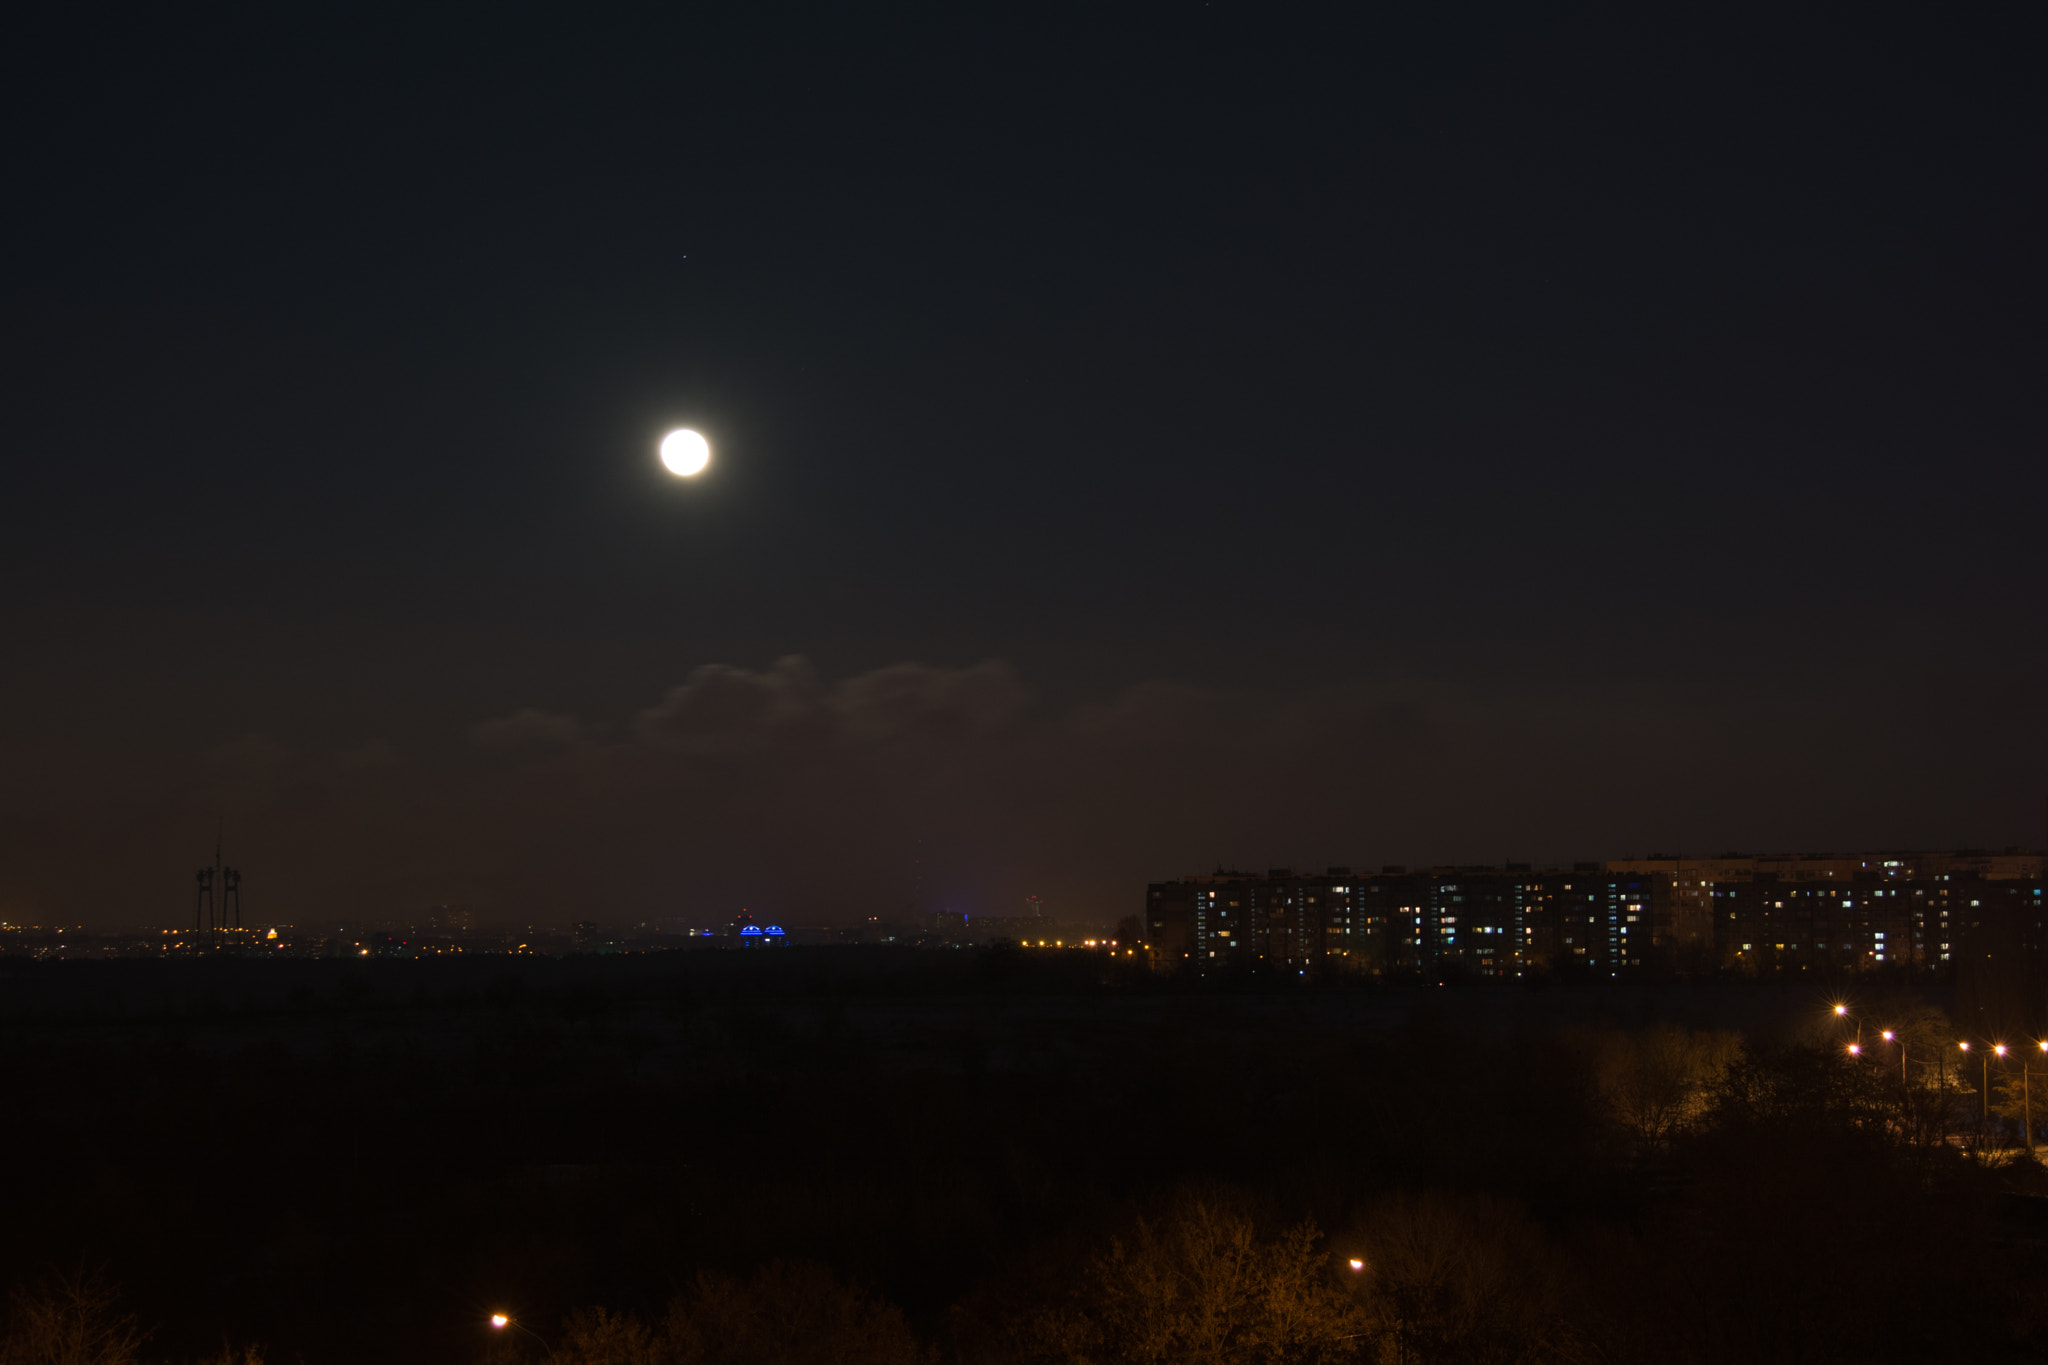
(1892, 1037)
(1984, 1095)
(500, 1321)
(2027, 1100)
(1842, 1013)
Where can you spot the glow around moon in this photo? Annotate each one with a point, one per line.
(685, 453)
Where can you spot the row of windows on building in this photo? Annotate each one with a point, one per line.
(1506, 923)
(1489, 923)
(1774, 927)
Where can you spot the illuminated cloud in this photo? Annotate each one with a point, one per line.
(525, 727)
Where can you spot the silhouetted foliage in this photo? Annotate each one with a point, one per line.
(1659, 1081)
(783, 1314)
(880, 1157)
(1464, 1278)
(1199, 1285)
(69, 1320)
(79, 1320)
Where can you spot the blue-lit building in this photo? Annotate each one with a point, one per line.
(744, 932)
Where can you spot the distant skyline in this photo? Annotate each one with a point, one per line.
(1145, 437)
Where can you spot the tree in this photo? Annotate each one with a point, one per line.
(70, 1320)
(1659, 1081)
(597, 1337)
(787, 1314)
(783, 1314)
(1200, 1286)
(1462, 1278)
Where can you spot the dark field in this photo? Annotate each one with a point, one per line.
(352, 1162)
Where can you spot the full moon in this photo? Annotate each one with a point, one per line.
(685, 453)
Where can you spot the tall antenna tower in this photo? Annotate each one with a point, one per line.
(211, 913)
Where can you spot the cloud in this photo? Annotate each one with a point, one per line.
(722, 711)
(911, 698)
(376, 754)
(250, 758)
(525, 727)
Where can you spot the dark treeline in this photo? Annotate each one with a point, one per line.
(865, 1155)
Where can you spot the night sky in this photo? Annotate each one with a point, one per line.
(1146, 437)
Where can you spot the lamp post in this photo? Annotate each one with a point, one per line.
(1958, 1081)
(2027, 1108)
(1855, 1048)
(1984, 1094)
(500, 1321)
(1891, 1037)
(1999, 1049)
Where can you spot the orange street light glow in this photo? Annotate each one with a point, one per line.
(1841, 1009)
(1887, 1035)
(1357, 1264)
(1855, 1049)
(2000, 1049)
(1964, 1046)
(499, 1320)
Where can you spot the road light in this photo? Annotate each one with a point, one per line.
(1983, 1095)
(2026, 1102)
(1890, 1036)
(1357, 1264)
(1842, 1013)
(500, 1321)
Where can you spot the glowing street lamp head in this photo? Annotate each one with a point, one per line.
(1887, 1035)
(1357, 1264)
(1855, 1049)
(1964, 1046)
(2000, 1049)
(684, 453)
(499, 1320)
(1841, 1009)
